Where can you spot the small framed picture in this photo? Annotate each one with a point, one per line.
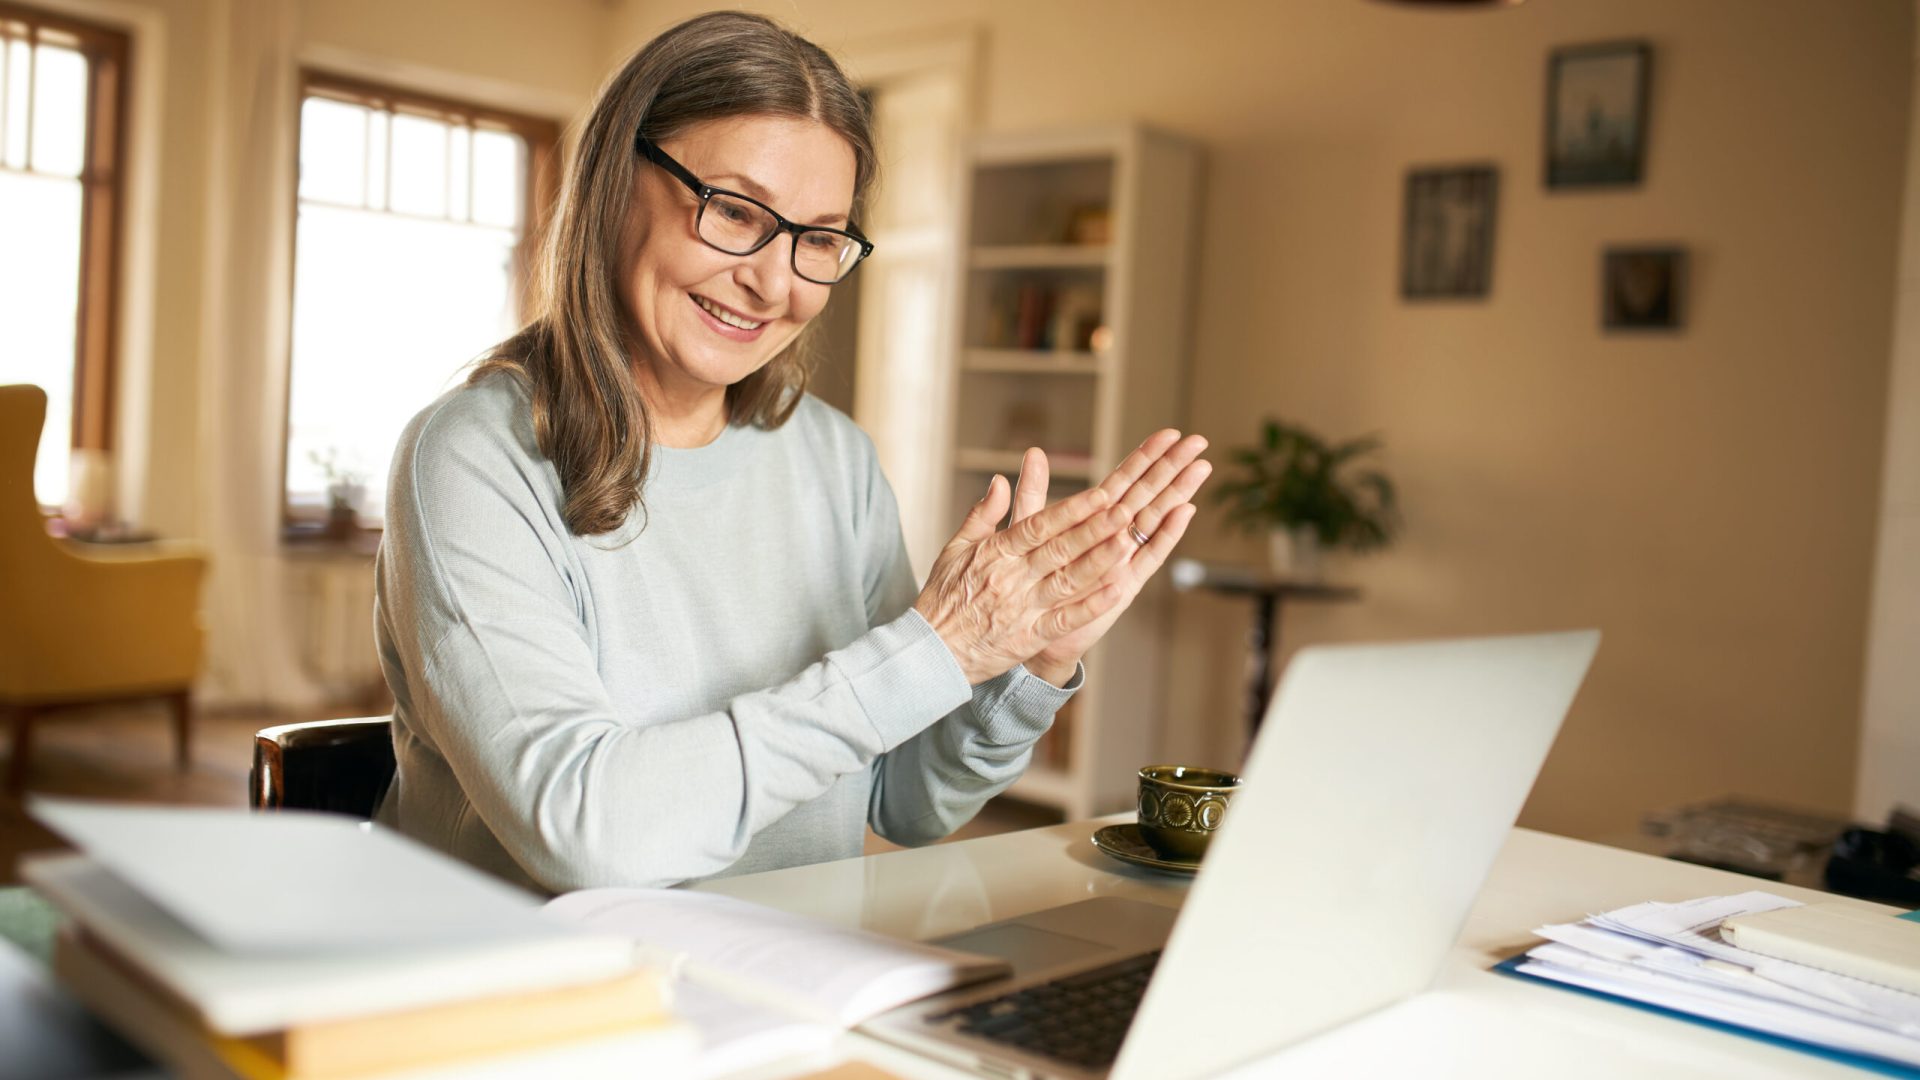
(1597, 114)
(1447, 252)
(1643, 288)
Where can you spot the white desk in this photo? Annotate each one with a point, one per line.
(1473, 1023)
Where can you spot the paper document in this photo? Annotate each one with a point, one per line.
(1673, 956)
(735, 1036)
(799, 966)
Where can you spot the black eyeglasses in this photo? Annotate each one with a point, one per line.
(738, 225)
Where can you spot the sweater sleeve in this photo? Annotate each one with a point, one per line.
(501, 678)
(937, 780)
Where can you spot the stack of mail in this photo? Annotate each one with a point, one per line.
(1672, 956)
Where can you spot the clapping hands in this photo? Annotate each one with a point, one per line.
(1046, 588)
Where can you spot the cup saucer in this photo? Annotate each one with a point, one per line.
(1124, 842)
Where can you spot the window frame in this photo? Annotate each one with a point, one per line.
(108, 52)
(304, 527)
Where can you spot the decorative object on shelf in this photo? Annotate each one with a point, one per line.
(1642, 288)
(1090, 224)
(1448, 248)
(346, 487)
(1033, 317)
(1297, 485)
(1597, 114)
(1076, 315)
(1041, 316)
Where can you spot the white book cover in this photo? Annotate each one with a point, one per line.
(265, 921)
(292, 880)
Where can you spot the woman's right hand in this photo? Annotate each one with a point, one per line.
(996, 597)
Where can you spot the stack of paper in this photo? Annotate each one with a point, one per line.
(1672, 956)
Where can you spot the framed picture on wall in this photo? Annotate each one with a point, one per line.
(1447, 251)
(1597, 114)
(1643, 288)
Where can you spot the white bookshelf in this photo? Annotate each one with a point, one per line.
(1077, 342)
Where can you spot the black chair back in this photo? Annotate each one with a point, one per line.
(341, 766)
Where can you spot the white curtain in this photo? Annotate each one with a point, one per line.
(253, 101)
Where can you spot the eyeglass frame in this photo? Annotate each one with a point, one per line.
(650, 150)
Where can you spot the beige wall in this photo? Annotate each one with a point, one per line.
(1708, 499)
(1890, 722)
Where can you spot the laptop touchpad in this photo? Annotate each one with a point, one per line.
(1027, 949)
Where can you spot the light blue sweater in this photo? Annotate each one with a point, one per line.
(734, 681)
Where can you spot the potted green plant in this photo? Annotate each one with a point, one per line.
(1308, 497)
(346, 487)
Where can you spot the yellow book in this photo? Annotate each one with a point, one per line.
(438, 1037)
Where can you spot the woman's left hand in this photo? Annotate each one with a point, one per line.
(1160, 494)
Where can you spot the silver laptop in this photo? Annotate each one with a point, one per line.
(1382, 785)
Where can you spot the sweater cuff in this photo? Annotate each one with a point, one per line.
(903, 676)
(1018, 707)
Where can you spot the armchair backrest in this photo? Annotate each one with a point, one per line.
(23, 409)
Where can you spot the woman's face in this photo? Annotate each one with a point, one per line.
(678, 288)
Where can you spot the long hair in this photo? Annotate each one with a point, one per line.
(573, 357)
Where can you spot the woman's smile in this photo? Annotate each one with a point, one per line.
(727, 322)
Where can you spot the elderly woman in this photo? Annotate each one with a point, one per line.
(644, 605)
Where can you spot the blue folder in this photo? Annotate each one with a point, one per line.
(1858, 1061)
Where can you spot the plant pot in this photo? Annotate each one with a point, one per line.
(1294, 554)
(342, 522)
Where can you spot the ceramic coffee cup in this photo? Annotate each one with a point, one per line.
(1181, 806)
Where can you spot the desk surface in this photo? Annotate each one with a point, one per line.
(1473, 1023)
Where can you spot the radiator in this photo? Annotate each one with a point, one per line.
(333, 611)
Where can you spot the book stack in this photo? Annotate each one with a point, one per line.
(308, 947)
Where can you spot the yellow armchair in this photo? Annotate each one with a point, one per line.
(84, 629)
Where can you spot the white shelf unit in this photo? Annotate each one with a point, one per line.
(1080, 348)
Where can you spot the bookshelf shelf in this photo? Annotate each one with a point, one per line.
(1031, 361)
(1039, 256)
(1061, 228)
(1063, 464)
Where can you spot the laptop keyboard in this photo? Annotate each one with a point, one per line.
(1080, 1019)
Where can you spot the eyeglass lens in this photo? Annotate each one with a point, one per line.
(737, 227)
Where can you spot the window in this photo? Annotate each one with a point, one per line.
(62, 87)
(413, 235)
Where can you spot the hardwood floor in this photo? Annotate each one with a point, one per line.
(125, 753)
